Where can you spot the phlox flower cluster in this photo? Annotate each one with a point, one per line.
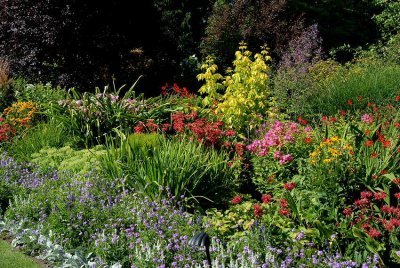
(277, 136)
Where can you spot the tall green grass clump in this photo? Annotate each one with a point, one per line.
(38, 137)
(184, 167)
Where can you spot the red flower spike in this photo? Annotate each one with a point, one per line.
(349, 102)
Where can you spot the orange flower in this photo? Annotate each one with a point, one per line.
(369, 143)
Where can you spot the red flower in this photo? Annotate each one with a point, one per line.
(374, 233)
(397, 98)
(397, 195)
(324, 118)
(266, 198)
(386, 143)
(380, 195)
(374, 155)
(151, 126)
(366, 194)
(139, 127)
(230, 133)
(386, 209)
(350, 102)
(239, 148)
(347, 211)
(369, 143)
(165, 127)
(284, 212)
(396, 181)
(359, 98)
(257, 210)
(284, 203)
(367, 132)
(236, 200)
(361, 202)
(334, 119)
(343, 112)
(289, 186)
(302, 121)
(307, 140)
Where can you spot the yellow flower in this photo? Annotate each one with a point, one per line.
(315, 153)
(334, 152)
(327, 160)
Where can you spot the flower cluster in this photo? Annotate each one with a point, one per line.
(329, 150)
(168, 90)
(6, 130)
(277, 137)
(374, 214)
(20, 113)
(204, 131)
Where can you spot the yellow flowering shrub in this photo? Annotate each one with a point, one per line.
(330, 150)
(242, 97)
(20, 113)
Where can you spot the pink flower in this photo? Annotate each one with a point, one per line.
(286, 159)
(366, 118)
(278, 155)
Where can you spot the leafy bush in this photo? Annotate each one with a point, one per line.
(90, 117)
(67, 159)
(241, 98)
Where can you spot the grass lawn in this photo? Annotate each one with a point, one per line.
(12, 258)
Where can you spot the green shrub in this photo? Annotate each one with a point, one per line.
(68, 159)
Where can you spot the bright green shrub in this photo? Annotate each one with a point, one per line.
(242, 97)
(68, 159)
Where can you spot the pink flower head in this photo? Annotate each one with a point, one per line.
(366, 118)
(278, 155)
(286, 159)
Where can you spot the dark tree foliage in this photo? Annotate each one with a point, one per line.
(257, 22)
(342, 21)
(89, 43)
